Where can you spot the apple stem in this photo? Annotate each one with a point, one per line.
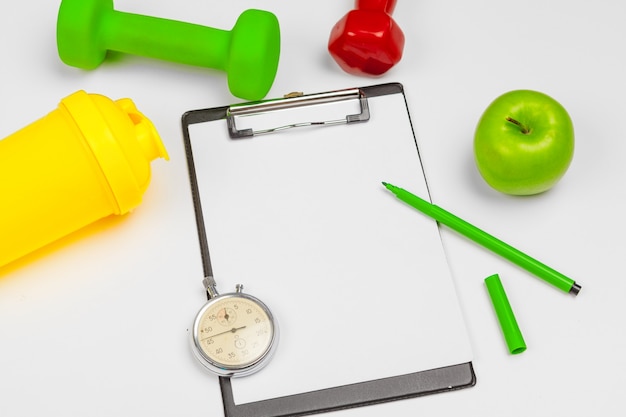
(525, 129)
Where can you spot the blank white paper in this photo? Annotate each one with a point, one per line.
(357, 280)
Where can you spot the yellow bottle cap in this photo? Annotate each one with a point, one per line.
(123, 142)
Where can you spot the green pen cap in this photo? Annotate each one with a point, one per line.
(504, 312)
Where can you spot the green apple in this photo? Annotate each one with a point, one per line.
(524, 143)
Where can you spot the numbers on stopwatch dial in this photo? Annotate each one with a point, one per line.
(235, 331)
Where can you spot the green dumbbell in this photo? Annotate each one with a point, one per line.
(87, 29)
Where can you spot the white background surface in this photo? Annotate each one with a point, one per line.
(458, 57)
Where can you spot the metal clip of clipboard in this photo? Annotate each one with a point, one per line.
(235, 111)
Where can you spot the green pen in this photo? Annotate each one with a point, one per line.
(488, 241)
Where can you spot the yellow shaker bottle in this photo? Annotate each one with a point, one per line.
(86, 160)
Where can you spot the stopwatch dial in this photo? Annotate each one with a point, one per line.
(235, 332)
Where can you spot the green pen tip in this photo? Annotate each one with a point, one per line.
(384, 183)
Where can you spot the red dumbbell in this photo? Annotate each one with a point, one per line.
(367, 41)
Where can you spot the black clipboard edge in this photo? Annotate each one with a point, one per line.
(189, 118)
(394, 388)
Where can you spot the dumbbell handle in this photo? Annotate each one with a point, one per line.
(382, 5)
(165, 39)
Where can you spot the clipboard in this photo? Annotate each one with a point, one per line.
(288, 199)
